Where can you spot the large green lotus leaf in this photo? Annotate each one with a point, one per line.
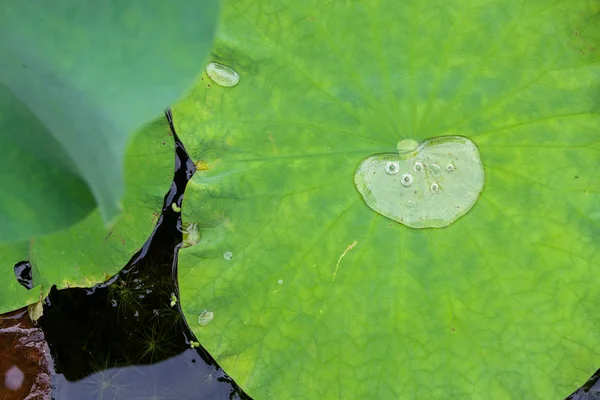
(77, 78)
(88, 252)
(315, 295)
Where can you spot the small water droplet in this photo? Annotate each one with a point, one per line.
(205, 317)
(434, 187)
(191, 234)
(418, 166)
(280, 281)
(228, 255)
(407, 180)
(407, 146)
(392, 168)
(450, 167)
(222, 75)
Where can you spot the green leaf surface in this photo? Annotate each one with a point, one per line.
(321, 297)
(88, 252)
(77, 78)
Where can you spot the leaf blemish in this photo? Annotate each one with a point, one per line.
(350, 247)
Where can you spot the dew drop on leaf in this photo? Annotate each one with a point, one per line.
(228, 255)
(407, 146)
(191, 234)
(205, 317)
(433, 197)
(222, 75)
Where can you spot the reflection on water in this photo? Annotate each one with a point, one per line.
(184, 376)
(25, 362)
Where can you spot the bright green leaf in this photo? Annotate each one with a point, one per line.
(88, 252)
(317, 296)
(76, 79)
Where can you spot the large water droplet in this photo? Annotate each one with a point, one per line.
(423, 194)
(222, 75)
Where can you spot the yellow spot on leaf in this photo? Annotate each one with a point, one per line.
(201, 165)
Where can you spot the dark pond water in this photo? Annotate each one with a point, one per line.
(123, 339)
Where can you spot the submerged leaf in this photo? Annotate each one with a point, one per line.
(76, 80)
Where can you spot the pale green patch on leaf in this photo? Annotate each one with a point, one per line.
(502, 303)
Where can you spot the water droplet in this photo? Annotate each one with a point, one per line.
(191, 234)
(407, 146)
(222, 75)
(205, 317)
(392, 168)
(280, 281)
(450, 167)
(407, 180)
(228, 255)
(425, 205)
